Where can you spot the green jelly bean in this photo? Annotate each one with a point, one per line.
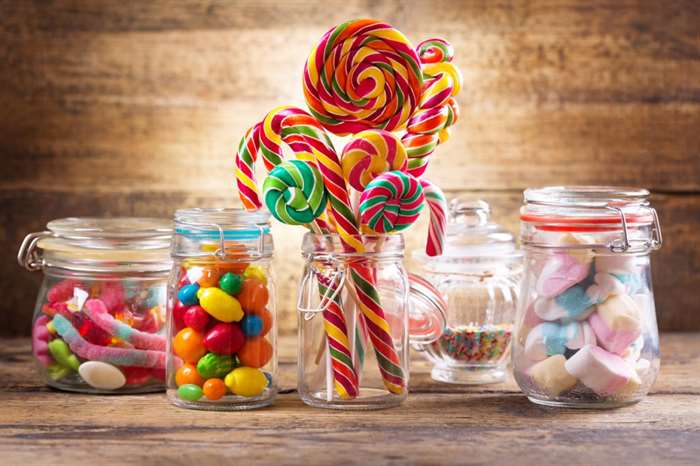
(57, 371)
(190, 392)
(213, 365)
(231, 283)
(62, 354)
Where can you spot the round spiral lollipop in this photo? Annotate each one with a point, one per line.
(391, 202)
(294, 192)
(429, 125)
(369, 154)
(363, 74)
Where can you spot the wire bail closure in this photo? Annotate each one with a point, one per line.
(221, 250)
(326, 299)
(28, 255)
(623, 245)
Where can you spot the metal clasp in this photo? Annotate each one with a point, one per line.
(28, 256)
(625, 244)
(333, 289)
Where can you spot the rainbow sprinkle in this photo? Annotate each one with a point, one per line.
(475, 344)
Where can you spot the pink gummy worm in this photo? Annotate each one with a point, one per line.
(110, 354)
(98, 313)
(40, 339)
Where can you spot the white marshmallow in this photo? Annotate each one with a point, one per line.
(603, 372)
(551, 338)
(551, 377)
(617, 323)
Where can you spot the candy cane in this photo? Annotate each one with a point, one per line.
(437, 203)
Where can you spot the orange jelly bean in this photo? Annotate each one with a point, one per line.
(253, 296)
(266, 317)
(256, 352)
(210, 277)
(187, 374)
(189, 345)
(214, 389)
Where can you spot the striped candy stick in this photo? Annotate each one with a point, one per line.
(361, 274)
(391, 202)
(437, 203)
(294, 194)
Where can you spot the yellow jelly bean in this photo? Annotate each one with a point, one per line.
(246, 381)
(255, 271)
(220, 304)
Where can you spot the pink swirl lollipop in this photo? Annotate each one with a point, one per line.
(369, 154)
(391, 202)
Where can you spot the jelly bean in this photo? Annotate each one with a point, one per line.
(102, 375)
(246, 381)
(253, 295)
(214, 365)
(190, 392)
(268, 376)
(209, 277)
(214, 389)
(256, 352)
(224, 338)
(62, 354)
(188, 294)
(179, 310)
(187, 374)
(57, 371)
(266, 317)
(220, 305)
(231, 283)
(257, 272)
(196, 318)
(252, 325)
(189, 345)
(136, 375)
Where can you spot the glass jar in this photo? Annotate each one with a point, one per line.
(478, 275)
(99, 319)
(356, 311)
(222, 348)
(586, 333)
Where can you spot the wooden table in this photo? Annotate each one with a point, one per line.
(439, 424)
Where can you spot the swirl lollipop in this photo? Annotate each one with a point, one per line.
(363, 74)
(294, 193)
(391, 202)
(369, 154)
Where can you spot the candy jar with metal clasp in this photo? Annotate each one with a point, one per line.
(586, 333)
(478, 276)
(99, 319)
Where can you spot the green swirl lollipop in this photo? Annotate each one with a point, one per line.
(294, 192)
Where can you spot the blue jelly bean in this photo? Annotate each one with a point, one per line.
(252, 325)
(188, 294)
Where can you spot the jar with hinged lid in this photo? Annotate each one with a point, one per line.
(586, 333)
(99, 319)
(222, 351)
(478, 277)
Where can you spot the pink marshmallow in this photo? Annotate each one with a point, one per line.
(561, 272)
(616, 323)
(603, 372)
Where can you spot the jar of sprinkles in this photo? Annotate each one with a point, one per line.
(478, 278)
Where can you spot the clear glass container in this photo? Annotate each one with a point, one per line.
(478, 276)
(222, 345)
(99, 319)
(586, 333)
(357, 314)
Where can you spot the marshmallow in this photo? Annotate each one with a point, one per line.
(633, 351)
(572, 304)
(561, 271)
(551, 338)
(603, 372)
(616, 323)
(530, 320)
(551, 377)
(616, 263)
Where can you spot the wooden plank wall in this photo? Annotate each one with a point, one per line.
(134, 108)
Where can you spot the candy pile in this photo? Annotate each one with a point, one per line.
(221, 320)
(106, 334)
(364, 79)
(584, 328)
(485, 344)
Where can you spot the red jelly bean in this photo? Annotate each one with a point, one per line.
(179, 310)
(224, 338)
(196, 317)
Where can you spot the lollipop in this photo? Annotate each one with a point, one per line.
(363, 74)
(294, 193)
(391, 202)
(371, 153)
(438, 217)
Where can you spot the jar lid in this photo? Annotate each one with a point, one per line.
(472, 240)
(99, 244)
(617, 218)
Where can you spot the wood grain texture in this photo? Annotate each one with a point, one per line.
(126, 107)
(439, 424)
